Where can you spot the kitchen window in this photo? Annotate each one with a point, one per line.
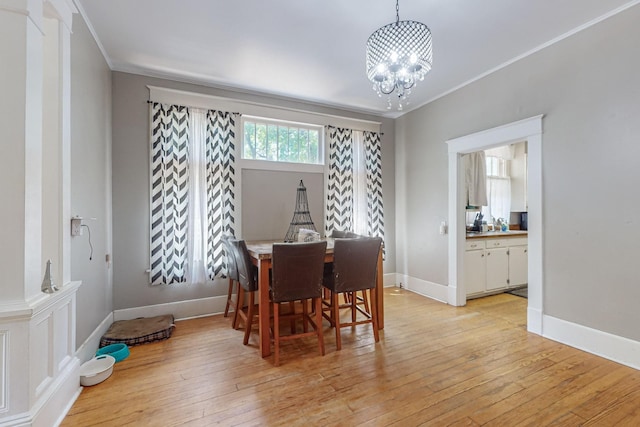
(498, 189)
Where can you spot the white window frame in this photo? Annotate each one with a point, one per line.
(279, 165)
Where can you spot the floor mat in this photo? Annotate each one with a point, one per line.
(522, 292)
(139, 331)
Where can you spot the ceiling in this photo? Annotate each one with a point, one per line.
(315, 50)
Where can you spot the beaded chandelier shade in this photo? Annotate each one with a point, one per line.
(398, 56)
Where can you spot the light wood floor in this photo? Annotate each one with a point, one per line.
(435, 365)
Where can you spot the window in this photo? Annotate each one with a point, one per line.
(280, 141)
(498, 189)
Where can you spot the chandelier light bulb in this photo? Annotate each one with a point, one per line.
(398, 56)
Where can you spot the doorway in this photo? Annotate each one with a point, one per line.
(529, 130)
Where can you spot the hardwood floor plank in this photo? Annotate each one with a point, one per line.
(434, 365)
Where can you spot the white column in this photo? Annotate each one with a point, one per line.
(38, 367)
(21, 128)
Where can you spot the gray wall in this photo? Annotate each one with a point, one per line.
(588, 88)
(267, 212)
(131, 191)
(90, 178)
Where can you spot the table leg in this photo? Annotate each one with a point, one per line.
(263, 312)
(380, 292)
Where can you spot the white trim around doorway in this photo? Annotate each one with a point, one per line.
(529, 130)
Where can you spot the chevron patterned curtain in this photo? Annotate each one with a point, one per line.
(192, 192)
(373, 161)
(169, 193)
(220, 183)
(340, 183)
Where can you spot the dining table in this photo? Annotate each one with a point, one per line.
(260, 253)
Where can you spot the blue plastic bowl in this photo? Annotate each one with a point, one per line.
(118, 351)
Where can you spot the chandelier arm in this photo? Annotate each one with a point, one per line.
(409, 84)
(381, 89)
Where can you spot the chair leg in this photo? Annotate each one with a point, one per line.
(276, 333)
(318, 310)
(239, 305)
(374, 313)
(249, 321)
(336, 316)
(305, 315)
(354, 302)
(365, 300)
(292, 322)
(229, 293)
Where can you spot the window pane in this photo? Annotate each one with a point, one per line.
(283, 134)
(304, 145)
(272, 131)
(249, 140)
(294, 145)
(313, 146)
(261, 141)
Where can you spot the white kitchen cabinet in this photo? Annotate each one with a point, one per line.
(475, 271)
(497, 260)
(494, 264)
(518, 265)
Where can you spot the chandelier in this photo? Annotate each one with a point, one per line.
(398, 56)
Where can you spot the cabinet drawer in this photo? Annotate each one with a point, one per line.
(520, 241)
(498, 243)
(474, 244)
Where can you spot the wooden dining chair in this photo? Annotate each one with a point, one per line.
(232, 274)
(248, 281)
(297, 274)
(362, 298)
(355, 263)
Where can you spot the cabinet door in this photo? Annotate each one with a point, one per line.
(497, 268)
(518, 265)
(474, 271)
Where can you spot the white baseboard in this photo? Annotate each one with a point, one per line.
(88, 348)
(389, 280)
(425, 288)
(618, 349)
(180, 309)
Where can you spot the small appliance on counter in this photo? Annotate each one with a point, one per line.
(523, 220)
(477, 223)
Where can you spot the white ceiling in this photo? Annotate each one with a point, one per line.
(315, 50)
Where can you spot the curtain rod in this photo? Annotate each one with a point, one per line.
(272, 106)
(240, 114)
(188, 106)
(359, 130)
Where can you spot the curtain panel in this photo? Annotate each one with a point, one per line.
(341, 197)
(220, 181)
(340, 183)
(373, 161)
(192, 193)
(169, 193)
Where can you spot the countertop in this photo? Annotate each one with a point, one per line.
(496, 234)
